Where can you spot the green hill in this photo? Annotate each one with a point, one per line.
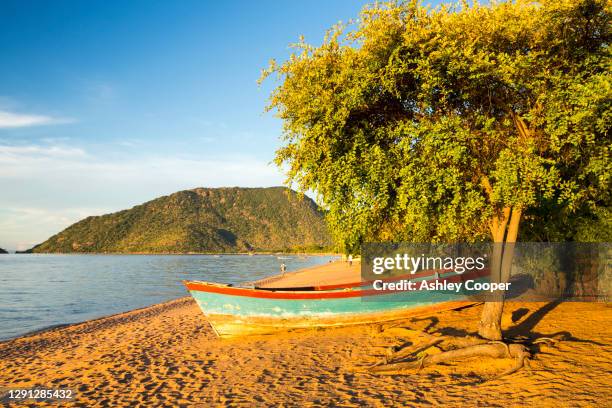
(201, 220)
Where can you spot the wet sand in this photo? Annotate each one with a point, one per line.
(167, 355)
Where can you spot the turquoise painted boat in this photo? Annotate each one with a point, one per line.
(236, 311)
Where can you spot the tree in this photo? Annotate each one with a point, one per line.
(451, 124)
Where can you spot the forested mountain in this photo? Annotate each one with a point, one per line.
(201, 220)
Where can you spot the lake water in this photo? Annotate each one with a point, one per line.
(40, 291)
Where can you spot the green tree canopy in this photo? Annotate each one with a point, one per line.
(419, 124)
(453, 124)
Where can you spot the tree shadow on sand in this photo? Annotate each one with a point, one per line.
(525, 329)
(527, 343)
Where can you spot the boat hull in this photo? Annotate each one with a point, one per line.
(228, 326)
(240, 311)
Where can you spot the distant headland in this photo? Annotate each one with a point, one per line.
(202, 220)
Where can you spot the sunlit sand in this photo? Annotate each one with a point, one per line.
(329, 274)
(167, 355)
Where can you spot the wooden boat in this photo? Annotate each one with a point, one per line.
(236, 311)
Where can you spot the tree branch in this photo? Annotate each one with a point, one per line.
(522, 128)
(498, 225)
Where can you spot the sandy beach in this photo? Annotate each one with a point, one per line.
(327, 274)
(167, 355)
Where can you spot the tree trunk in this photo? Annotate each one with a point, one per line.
(501, 263)
(503, 250)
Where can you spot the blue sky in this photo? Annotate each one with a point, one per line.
(105, 105)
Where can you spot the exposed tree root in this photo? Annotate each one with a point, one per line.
(408, 351)
(521, 359)
(414, 357)
(495, 350)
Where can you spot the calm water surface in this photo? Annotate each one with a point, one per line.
(39, 291)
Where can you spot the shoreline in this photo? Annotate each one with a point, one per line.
(167, 355)
(101, 311)
(60, 326)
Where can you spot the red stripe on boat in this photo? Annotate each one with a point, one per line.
(280, 294)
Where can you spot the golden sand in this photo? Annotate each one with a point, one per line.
(328, 274)
(166, 355)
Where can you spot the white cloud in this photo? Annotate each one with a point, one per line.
(16, 120)
(55, 140)
(46, 188)
(75, 165)
(34, 152)
(24, 227)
